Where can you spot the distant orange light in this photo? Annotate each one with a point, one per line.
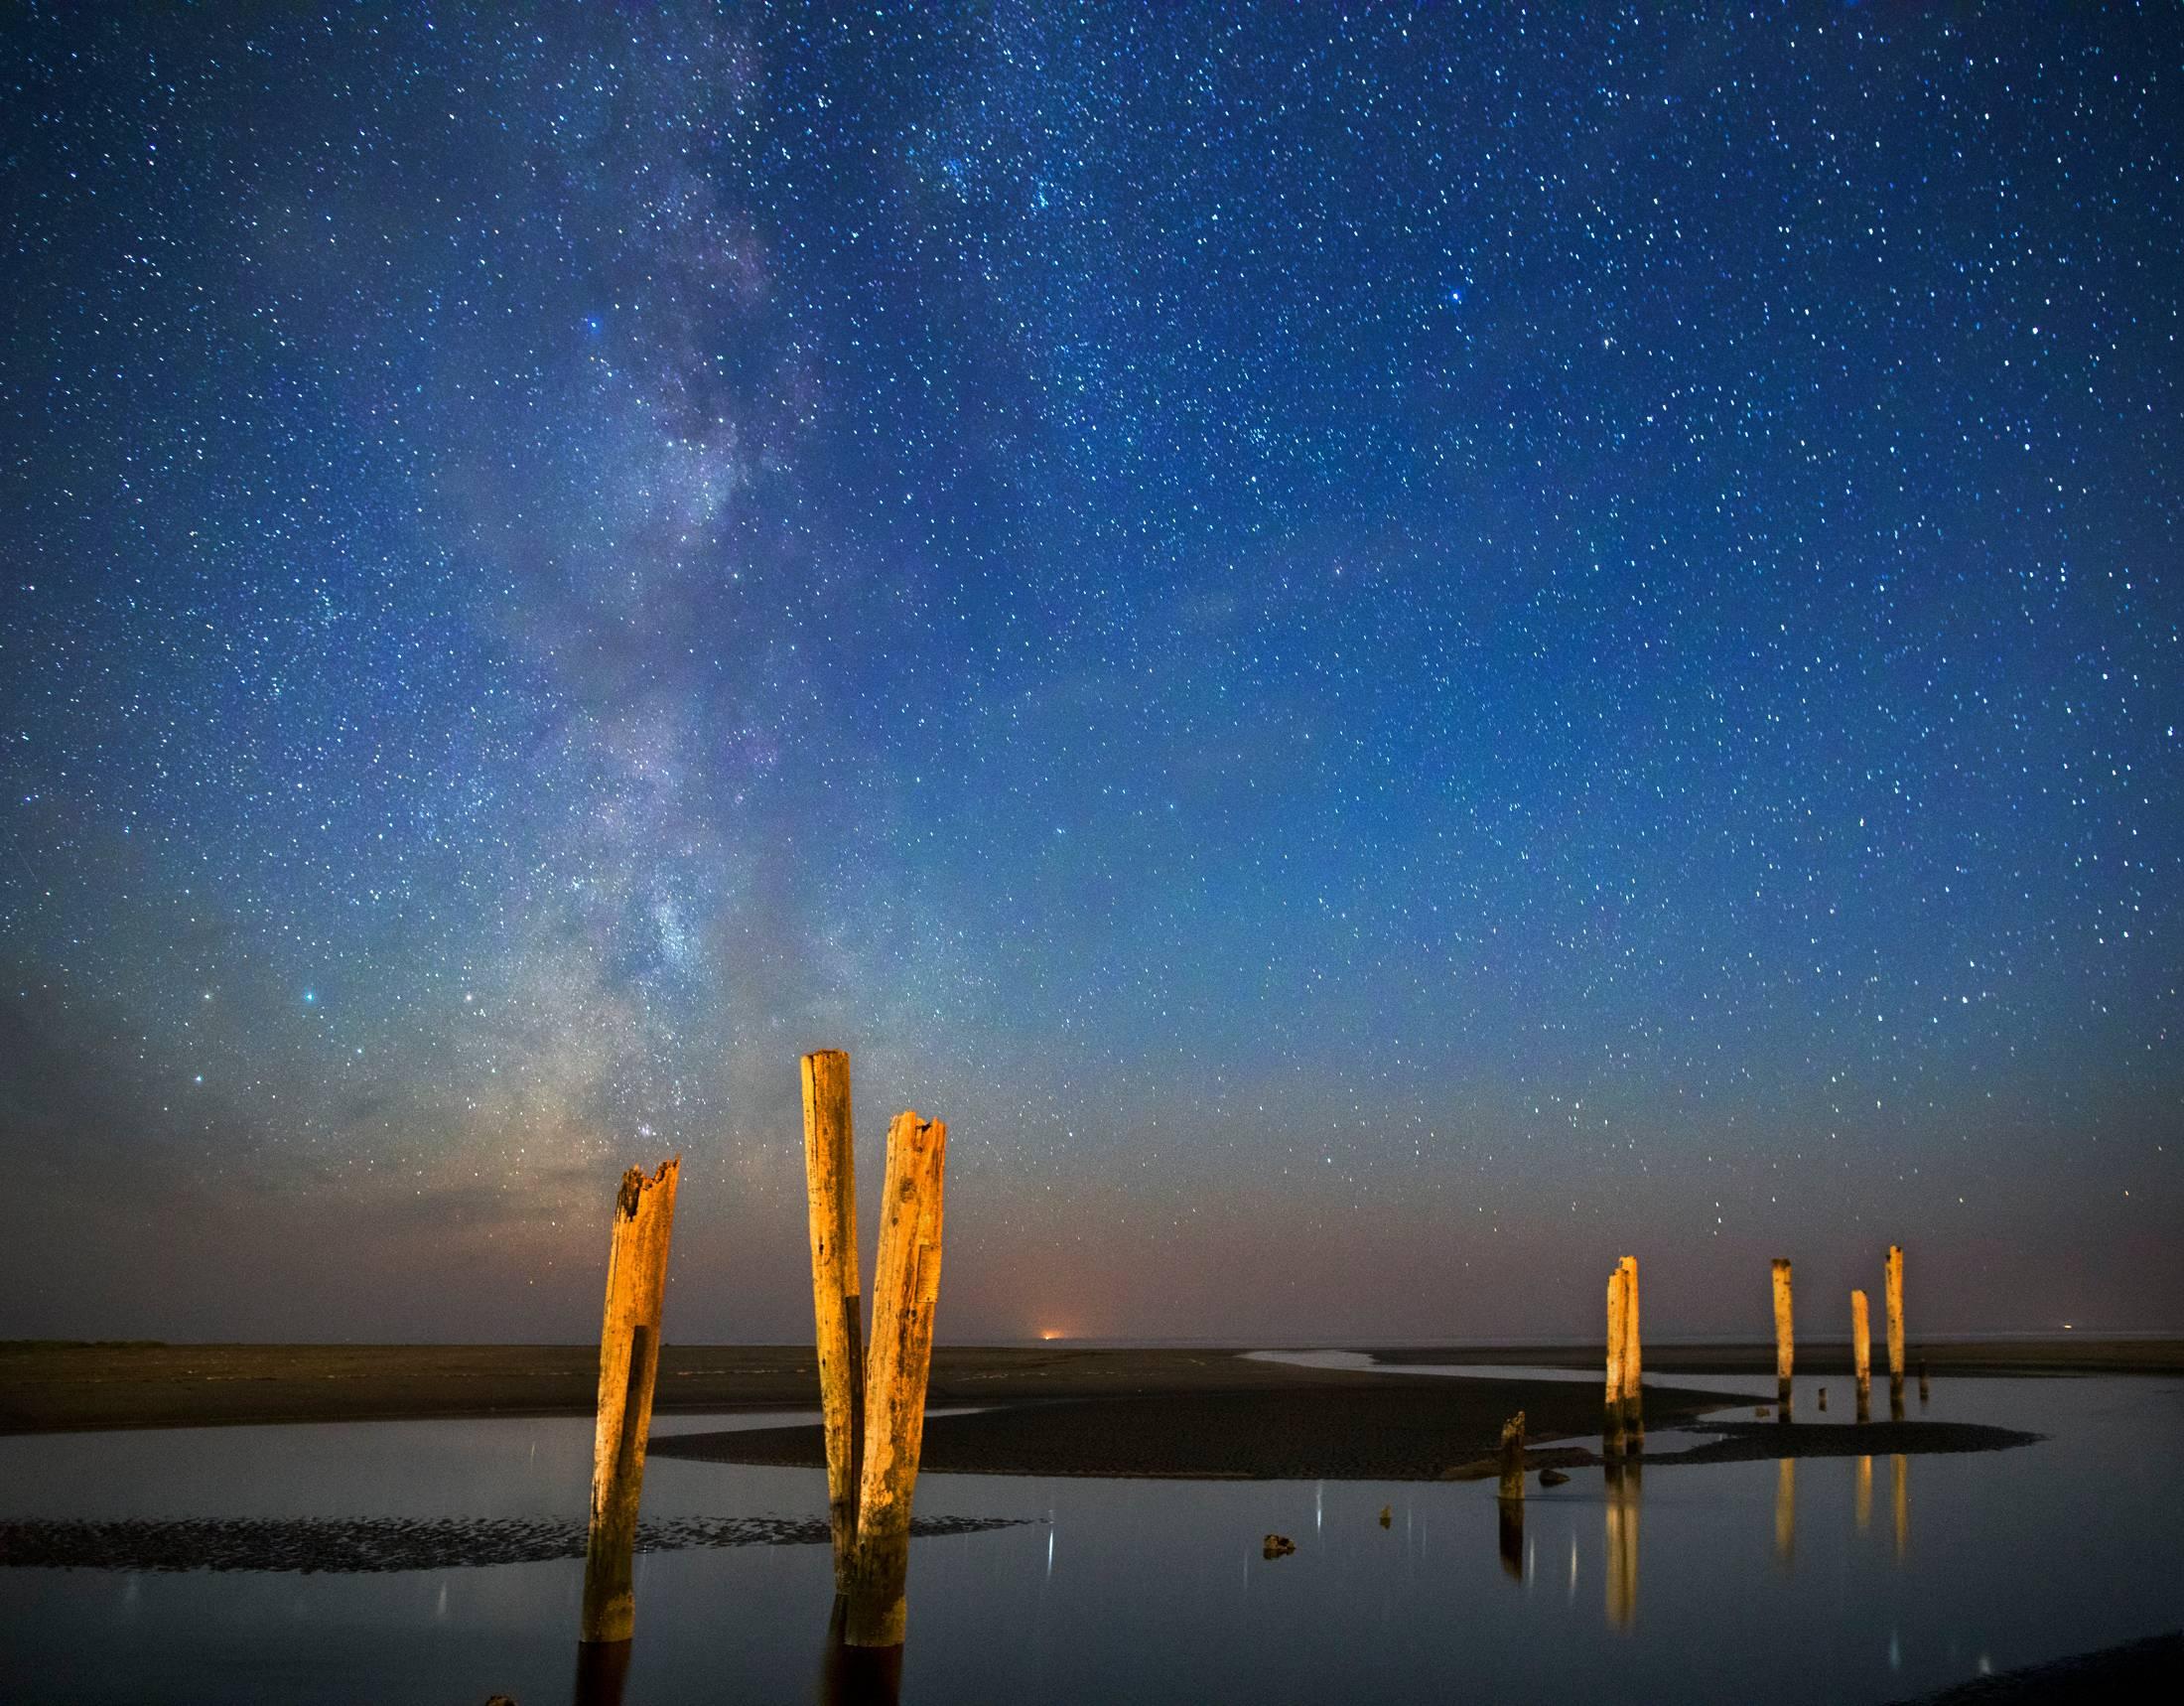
(1051, 1332)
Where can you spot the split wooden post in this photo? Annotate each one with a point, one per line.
(1894, 1278)
(1785, 1347)
(629, 1360)
(830, 1185)
(1862, 1354)
(905, 1285)
(1612, 1429)
(1634, 1408)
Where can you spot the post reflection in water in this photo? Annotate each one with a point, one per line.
(601, 1668)
(1785, 1507)
(1623, 1488)
(1510, 1512)
(856, 1675)
(1864, 1502)
(1899, 1478)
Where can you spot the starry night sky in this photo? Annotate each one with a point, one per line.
(1387, 651)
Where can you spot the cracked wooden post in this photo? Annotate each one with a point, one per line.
(1611, 1424)
(1785, 1347)
(1634, 1408)
(1862, 1354)
(906, 1284)
(1894, 1278)
(830, 1186)
(629, 1358)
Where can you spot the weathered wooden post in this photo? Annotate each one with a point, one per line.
(1861, 1356)
(1634, 1405)
(1894, 1279)
(1785, 1349)
(905, 1285)
(629, 1358)
(1512, 1458)
(1611, 1430)
(830, 1185)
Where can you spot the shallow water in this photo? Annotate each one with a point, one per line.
(1827, 1579)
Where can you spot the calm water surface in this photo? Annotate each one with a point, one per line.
(1840, 1579)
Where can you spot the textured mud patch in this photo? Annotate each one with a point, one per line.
(310, 1544)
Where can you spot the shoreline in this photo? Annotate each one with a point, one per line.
(48, 1388)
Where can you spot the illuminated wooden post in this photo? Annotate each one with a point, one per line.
(1512, 1458)
(830, 1185)
(1634, 1408)
(1862, 1354)
(1612, 1429)
(1785, 1347)
(906, 1284)
(629, 1358)
(1894, 1278)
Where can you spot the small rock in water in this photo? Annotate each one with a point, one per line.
(1279, 1546)
(1551, 1477)
(1387, 1515)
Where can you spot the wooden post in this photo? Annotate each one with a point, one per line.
(830, 1186)
(1894, 1278)
(629, 1358)
(1617, 1338)
(1861, 1355)
(1635, 1407)
(1512, 1458)
(1785, 1349)
(1926, 1390)
(905, 1285)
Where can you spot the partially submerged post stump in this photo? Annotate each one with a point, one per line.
(1634, 1408)
(1861, 1355)
(1894, 1278)
(629, 1358)
(1612, 1428)
(1512, 1457)
(1785, 1349)
(830, 1185)
(905, 1285)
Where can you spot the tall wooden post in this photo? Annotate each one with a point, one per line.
(830, 1185)
(1785, 1347)
(1634, 1405)
(1611, 1427)
(629, 1358)
(1894, 1278)
(1861, 1355)
(905, 1285)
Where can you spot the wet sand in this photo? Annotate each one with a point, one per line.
(1399, 1432)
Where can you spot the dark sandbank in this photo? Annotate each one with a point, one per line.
(2148, 1669)
(368, 1546)
(2062, 1354)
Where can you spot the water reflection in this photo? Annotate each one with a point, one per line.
(1863, 1504)
(1623, 1488)
(603, 1667)
(1511, 1525)
(1785, 1508)
(856, 1675)
(1899, 1477)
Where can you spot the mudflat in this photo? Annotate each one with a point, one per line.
(52, 1387)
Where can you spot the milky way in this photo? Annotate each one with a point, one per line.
(1387, 652)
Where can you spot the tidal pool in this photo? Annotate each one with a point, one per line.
(1825, 1580)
